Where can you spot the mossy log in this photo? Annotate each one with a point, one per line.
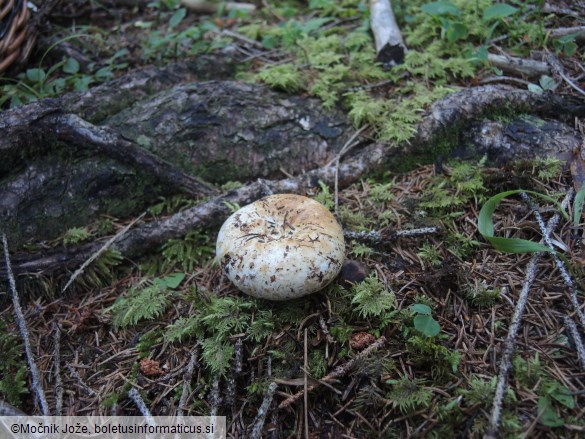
(67, 161)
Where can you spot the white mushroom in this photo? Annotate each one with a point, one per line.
(281, 247)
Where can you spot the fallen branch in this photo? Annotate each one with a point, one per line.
(559, 32)
(339, 372)
(34, 371)
(57, 369)
(135, 396)
(520, 66)
(510, 341)
(187, 377)
(205, 7)
(573, 293)
(558, 69)
(390, 47)
(9, 410)
(377, 238)
(262, 411)
(80, 381)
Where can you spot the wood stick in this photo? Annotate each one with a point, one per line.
(390, 47)
(205, 7)
(337, 373)
(520, 66)
(510, 341)
(34, 371)
(262, 411)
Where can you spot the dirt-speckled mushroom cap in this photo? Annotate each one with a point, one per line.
(281, 247)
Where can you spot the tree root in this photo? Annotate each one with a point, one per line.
(444, 118)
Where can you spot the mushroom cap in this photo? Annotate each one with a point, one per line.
(281, 247)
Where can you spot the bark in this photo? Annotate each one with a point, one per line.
(527, 67)
(59, 170)
(451, 117)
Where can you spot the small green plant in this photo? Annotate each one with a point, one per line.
(485, 225)
(532, 374)
(430, 253)
(41, 82)
(233, 207)
(12, 368)
(565, 45)
(545, 83)
(173, 204)
(75, 235)
(480, 294)
(182, 254)
(325, 197)
(408, 394)
(371, 298)
(423, 320)
(360, 250)
(547, 168)
(214, 322)
(144, 301)
(381, 192)
(450, 192)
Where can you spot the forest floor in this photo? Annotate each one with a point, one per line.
(420, 341)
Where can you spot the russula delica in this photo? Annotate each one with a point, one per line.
(281, 247)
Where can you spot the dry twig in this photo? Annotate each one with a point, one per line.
(510, 341)
(528, 67)
(135, 396)
(337, 373)
(34, 371)
(262, 411)
(57, 369)
(187, 377)
(558, 68)
(98, 253)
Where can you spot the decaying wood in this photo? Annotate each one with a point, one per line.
(390, 47)
(578, 31)
(519, 139)
(520, 66)
(205, 7)
(218, 129)
(445, 118)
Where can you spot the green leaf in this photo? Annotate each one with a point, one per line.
(563, 395)
(535, 89)
(172, 281)
(427, 325)
(36, 74)
(421, 308)
(177, 17)
(498, 11)
(456, 31)
(485, 225)
(71, 66)
(547, 83)
(578, 205)
(440, 8)
(546, 414)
